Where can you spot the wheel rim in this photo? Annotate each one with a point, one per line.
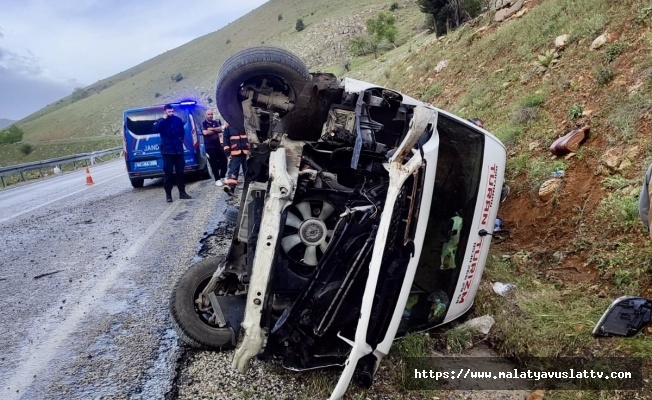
(202, 304)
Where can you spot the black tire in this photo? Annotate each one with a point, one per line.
(191, 327)
(281, 67)
(137, 182)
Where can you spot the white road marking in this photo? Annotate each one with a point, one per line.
(58, 198)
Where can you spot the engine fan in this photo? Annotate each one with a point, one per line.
(308, 230)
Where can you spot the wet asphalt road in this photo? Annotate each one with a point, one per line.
(85, 275)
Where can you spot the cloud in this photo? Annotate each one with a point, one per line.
(83, 41)
(89, 40)
(21, 95)
(21, 64)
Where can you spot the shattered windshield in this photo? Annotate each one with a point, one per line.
(455, 194)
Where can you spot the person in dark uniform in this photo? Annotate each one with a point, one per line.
(212, 128)
(172, 132)
(236, 147)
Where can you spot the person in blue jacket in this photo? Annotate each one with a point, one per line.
(172, 132)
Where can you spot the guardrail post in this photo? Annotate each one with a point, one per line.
(22, 177)
(4, 184)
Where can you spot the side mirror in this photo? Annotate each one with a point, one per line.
(626, 316)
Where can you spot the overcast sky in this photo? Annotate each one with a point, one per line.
(47, 48)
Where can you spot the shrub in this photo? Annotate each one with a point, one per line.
(78, 94)
(459, 339)
(228, 41)
(26, 148)
(300, 25)
(360, 45)
(176, 77)
(533, 100)
(575, 111)
(280, 17)
(529, 108)
(12, 134)
(604, 75)
(393, 7)
(613, 51)
(618, 212)
(525, 114)
(547, 60)
(644, 15)
(157, 95)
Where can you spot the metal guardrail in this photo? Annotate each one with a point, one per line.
(89, 159)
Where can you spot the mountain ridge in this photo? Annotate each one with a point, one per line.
(5, 122)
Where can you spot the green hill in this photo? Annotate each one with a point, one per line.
(569, 256)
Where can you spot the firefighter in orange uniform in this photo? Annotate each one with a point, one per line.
(236, 148)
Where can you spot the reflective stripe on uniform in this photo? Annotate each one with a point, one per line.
(236, 146)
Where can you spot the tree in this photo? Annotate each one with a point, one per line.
(361, 45)
(12, 134)
(78, 94)
(26, 148)
(383, 27)
(299, 26)
(448, 14)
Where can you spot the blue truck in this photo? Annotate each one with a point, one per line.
(141, 145)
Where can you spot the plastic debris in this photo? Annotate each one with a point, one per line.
(480, 324)
(498, 224)
(502, 288)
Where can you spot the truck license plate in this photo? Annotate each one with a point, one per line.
(142, 164)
